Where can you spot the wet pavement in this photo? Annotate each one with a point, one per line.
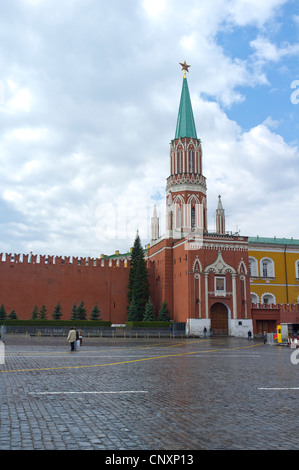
(148, 394)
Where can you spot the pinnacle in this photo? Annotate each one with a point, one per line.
(185, 122)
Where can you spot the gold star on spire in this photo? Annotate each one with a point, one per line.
(185, 67)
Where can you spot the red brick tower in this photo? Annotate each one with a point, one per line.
(186, 186)
(203, 276)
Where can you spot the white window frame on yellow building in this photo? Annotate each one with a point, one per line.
(270, 268)
(254, 267)
(270, 294)
(251, 299)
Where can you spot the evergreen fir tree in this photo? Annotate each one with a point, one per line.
(74, 313)
(57, 312)
(138, 286)
(136, 253)
(2, 312)
(149, 314)
(43, 313)
(81, 311)
(95, 313)
(133, 312)
(13, 315)
(164, 312)
(34, 314)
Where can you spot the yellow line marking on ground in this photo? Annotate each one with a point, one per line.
(123, 362)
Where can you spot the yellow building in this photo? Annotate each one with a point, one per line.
(274, 270)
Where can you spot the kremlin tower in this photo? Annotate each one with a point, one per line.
(203, 276)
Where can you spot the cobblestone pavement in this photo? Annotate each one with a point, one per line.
(148, 394)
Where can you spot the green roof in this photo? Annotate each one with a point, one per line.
(185, 124)
(276, 241)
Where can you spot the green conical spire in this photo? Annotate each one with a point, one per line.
(185, 124)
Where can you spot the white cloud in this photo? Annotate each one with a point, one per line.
(27, 134)
(266, 51)
(246, 12)
(91, 99)
(21, 101)
(271, 123)
(255, 172)
(154, 8)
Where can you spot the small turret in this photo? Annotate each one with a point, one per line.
(155, 225)
(220, 218)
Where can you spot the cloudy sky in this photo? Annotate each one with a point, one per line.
(89, 96)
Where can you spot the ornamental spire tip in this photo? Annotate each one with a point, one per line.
(185, 67)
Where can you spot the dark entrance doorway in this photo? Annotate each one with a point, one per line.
(219, 319)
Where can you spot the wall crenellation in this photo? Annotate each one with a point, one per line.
(282, 307)
(10, 259)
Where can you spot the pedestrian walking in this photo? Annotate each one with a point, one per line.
(76, 344)
(249, 334)
(80, 337)
(265, 337)
(72, 338)
(77, 339)
(205, 331)
(2, 332)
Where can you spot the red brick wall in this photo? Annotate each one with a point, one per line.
(181, 283)
(184, 285)
(24, 285)
(160, 261)
(172, 264)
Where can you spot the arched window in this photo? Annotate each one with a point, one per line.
(180, 161)
(191, 161)
(253, 267)
(254, 298)
(268, 299)
(197, 266)
(193, 222)
(267, 267)
(179, 217)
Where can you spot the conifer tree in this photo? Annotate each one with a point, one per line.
(138, 286)
(164, 312)
(43, 313)
(95, 313)
(13, 315)
(133, 312)
(74, 312)
(81, 311)
(57, 312)
(2, 312)
(34, 314)
(149, 314)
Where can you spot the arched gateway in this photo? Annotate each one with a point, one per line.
(219, 319)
